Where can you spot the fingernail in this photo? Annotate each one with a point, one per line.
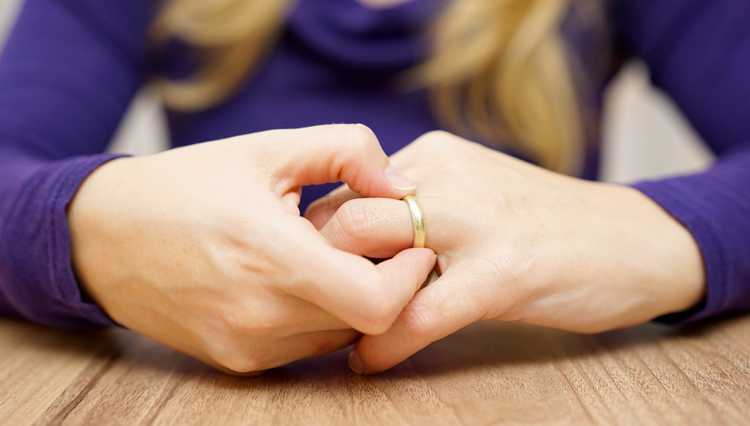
(398, 179)
(355, 362)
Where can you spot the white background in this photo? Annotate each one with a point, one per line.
(645, 136)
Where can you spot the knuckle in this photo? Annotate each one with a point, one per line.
(353, 220)
(355, 142)
(231, 346)
(439, 145)
(240, 363)
(227, 351)
(418, 320)
(436, 138)
(435, 135)
(359, 136)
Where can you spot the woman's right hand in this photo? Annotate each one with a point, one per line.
(203, 248)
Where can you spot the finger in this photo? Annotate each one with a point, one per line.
(367, 297)
(435, 312)
(373, 227)
(322, 209)
(291, 200)
(307, 345)
(255, 358)
(348, 153)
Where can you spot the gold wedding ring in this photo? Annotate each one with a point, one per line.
(417, 220)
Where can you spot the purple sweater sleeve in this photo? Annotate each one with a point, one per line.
(67, 74)
(699, 53)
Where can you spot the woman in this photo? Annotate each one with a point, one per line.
(203, 247)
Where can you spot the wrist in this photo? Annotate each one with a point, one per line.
(86, 217)
(676, 269)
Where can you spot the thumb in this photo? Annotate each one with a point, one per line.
(348, 153)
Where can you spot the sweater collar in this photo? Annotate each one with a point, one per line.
(358, 36)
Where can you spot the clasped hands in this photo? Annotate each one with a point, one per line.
(203, 248)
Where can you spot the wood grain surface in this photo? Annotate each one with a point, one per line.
(490, 373)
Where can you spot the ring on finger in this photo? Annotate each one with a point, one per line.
(417, 220)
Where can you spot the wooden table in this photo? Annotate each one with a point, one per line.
(487, 374)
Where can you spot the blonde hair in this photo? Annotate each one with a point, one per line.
(499, 70)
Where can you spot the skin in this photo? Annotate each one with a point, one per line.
(515, 242)
(203, 248)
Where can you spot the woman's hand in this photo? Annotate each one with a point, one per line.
(203, 248)
(515, 243)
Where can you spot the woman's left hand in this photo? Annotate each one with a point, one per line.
(515, 242)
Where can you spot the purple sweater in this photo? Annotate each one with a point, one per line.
(70, 69)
